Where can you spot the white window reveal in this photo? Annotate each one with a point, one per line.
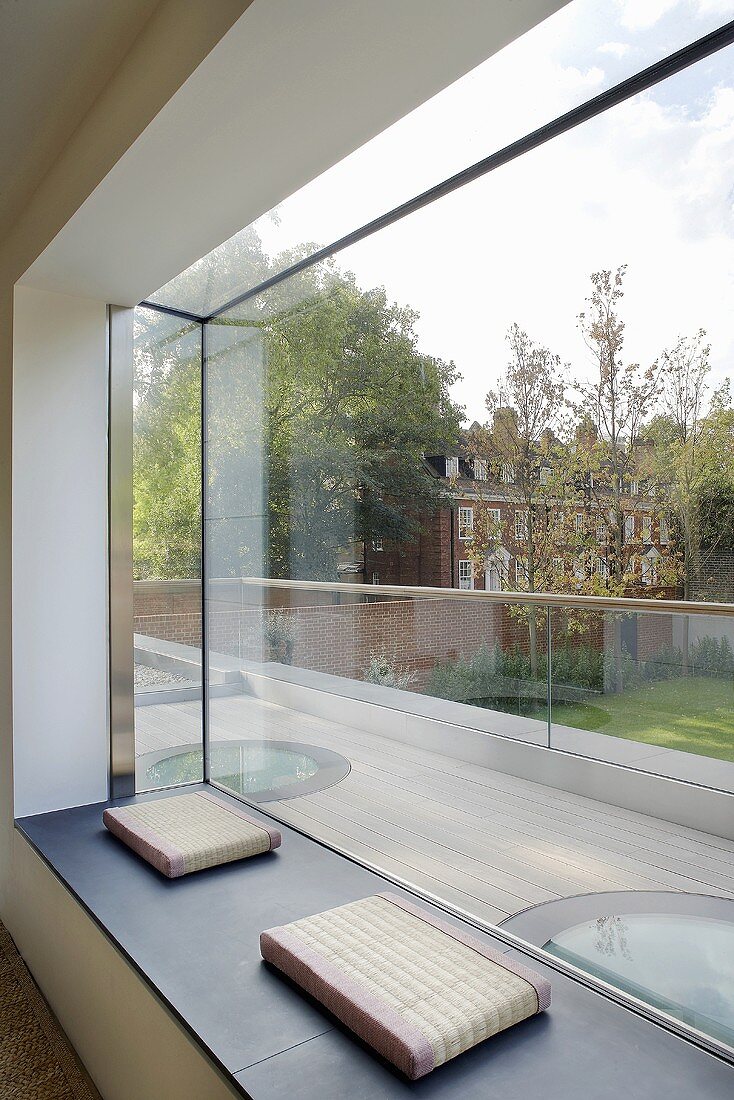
(601, 531)
(521, 526)
(629, 528)
(578, 523)
(452, 467)
(375, 578)
(521, 572)
(466, 523)
(480, 469)
(544, 475)
(377, 544)
(466, 574)
(602, 568)
(507, 473)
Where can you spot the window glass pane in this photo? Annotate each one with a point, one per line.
(573, 55)
(365, 428)
(334, 426)
(167, 550)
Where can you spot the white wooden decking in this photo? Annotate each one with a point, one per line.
(486, 842)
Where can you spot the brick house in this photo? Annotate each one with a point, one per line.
(439, 557)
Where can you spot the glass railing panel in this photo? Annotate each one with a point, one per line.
(649, 690)
(431, 662)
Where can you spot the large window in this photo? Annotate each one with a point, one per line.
(553, 321)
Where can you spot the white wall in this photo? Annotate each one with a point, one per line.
(59, 551)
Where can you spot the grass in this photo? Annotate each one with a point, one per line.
(693, 714)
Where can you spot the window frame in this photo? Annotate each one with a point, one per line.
(470, 578)
(466, 525)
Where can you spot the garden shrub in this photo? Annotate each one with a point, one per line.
(711, 657)
(381, 670)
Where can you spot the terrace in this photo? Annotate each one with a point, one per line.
(438, 793)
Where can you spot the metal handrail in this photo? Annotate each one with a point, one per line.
(543, 599)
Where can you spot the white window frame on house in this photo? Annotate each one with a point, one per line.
(521, 572)
(634, 488)
(578, 523)
(629, 527)
(544, 474)
(480, 469)
(521, 525)
(601, 567)
(466, 523)
(493, 577)
(378, 545)
(601, 530)
(664, 529)
(452, 467)
(375, 578)
(466, 574)
(507, 473)
(647, 528)
(647, 571)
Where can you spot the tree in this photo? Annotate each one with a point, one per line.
(166, 448)
(521, 441)
(351, 408)
(609, 453)
(693, 438)
(342, 404)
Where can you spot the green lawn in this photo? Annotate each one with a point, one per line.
(693, 714)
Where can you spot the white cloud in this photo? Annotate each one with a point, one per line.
(715, 7)
(616, 49)
(638, 15)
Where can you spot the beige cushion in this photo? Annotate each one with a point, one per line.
(189, 832)
(417, 988)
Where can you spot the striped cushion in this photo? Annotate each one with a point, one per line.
(414, 987)
(189, 832)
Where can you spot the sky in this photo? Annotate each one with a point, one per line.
(649, 184)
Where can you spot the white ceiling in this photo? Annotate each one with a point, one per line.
(55, 58)
(293, 87)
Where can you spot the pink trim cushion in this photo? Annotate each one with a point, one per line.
(414, 987)
(189, 832)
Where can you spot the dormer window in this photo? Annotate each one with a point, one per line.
(480, 469)
(377, 544)
(452, 467)
(544, 474)
(507, 473)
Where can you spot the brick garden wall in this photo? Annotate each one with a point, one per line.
(341, 638)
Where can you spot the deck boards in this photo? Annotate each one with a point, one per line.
(488, 843)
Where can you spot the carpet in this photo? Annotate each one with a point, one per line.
(37, 1061)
